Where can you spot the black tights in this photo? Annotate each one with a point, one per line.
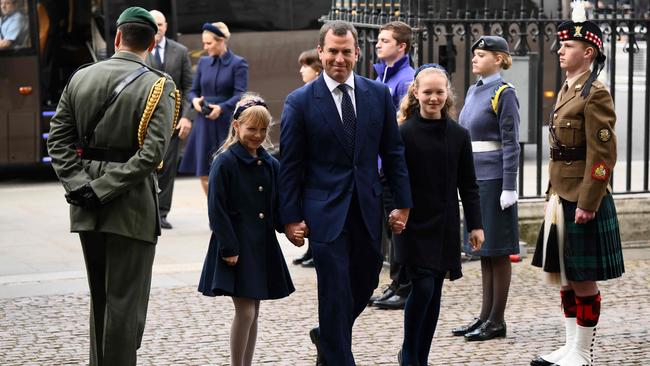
(420, 318)
(496, 272)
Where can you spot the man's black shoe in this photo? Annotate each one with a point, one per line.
(314, 335)
(164, 223)
(302, 259)
(388, 292)
(309, 263)
(395, 302)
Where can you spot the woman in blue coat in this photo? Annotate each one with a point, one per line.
(221, 78)
(244, 260)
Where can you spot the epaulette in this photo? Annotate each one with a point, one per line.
(497, 93)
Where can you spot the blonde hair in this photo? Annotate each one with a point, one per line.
(410, 104)
(222, 27)
(506, 59)
(256, 115)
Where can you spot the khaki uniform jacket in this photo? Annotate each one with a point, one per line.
(584, 122)
(127, 191)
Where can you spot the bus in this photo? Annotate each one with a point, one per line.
(59, 36)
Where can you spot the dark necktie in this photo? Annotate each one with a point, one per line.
(156, 58)
(348, 117)
(480, 82)
(565, 89)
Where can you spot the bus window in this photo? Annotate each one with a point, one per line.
(14, 25)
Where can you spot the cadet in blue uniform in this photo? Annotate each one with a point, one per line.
(244, 259)
(491, 114)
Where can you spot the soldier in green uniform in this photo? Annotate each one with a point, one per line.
(108, 136)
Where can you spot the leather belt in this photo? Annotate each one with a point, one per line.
(104, 154)
(485, 146)
(568, 153)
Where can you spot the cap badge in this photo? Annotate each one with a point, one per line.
(481, 44)
(578, 31)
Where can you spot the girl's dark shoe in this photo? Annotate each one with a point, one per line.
(473, 325)
(487, 331)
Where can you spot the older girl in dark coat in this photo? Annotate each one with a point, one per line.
(244, 259)
(440, 164)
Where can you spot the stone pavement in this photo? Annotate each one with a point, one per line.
(44, 301)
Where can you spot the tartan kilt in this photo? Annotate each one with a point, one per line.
(592, 251)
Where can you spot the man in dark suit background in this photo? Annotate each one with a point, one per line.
(173, 58)
(333, 129)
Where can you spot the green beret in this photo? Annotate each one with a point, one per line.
(136, 14)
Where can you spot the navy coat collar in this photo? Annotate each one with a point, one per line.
(224, 59)
(244, 156)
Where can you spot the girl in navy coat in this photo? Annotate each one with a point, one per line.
(244, 259)
(438, 154)
(221, 78)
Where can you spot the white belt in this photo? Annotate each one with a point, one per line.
(484, 146)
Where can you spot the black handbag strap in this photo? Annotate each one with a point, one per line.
(111, 98)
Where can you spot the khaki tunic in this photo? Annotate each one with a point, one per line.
(128, 191)
(584, 122)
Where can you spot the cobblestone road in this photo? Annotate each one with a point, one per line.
(185, 328)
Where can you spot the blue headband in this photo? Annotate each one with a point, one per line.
(211, 28)
(247, 105)
(430, 66)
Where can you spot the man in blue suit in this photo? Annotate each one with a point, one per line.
(333, 129)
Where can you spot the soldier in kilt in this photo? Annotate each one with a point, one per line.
(579, 243)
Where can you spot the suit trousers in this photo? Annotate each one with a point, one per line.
(348, 272)
(119, 276)
(167, 175)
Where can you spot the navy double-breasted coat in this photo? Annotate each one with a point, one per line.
(242, 207)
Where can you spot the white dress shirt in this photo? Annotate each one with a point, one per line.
(161, 50)
(332, 85)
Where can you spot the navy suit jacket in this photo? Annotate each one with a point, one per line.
(318, 175)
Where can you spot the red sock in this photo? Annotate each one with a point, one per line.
(588, 310)
(569, 303)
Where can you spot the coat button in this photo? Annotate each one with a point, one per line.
(259, 162)
(261, 215)
(260, 188)
(568, 124)
(555, 115)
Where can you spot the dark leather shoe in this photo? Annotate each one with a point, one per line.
(394, 302)
(539, 361)
(388, 292)
(473, 325)
(164, 223)
(309, 263)
(314, 335)
(487, 331)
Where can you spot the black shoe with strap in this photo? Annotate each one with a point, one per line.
(487, 331)
(473, 325)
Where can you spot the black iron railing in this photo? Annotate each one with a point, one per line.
(445, 30)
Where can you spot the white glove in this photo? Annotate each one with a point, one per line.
(508, 198)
